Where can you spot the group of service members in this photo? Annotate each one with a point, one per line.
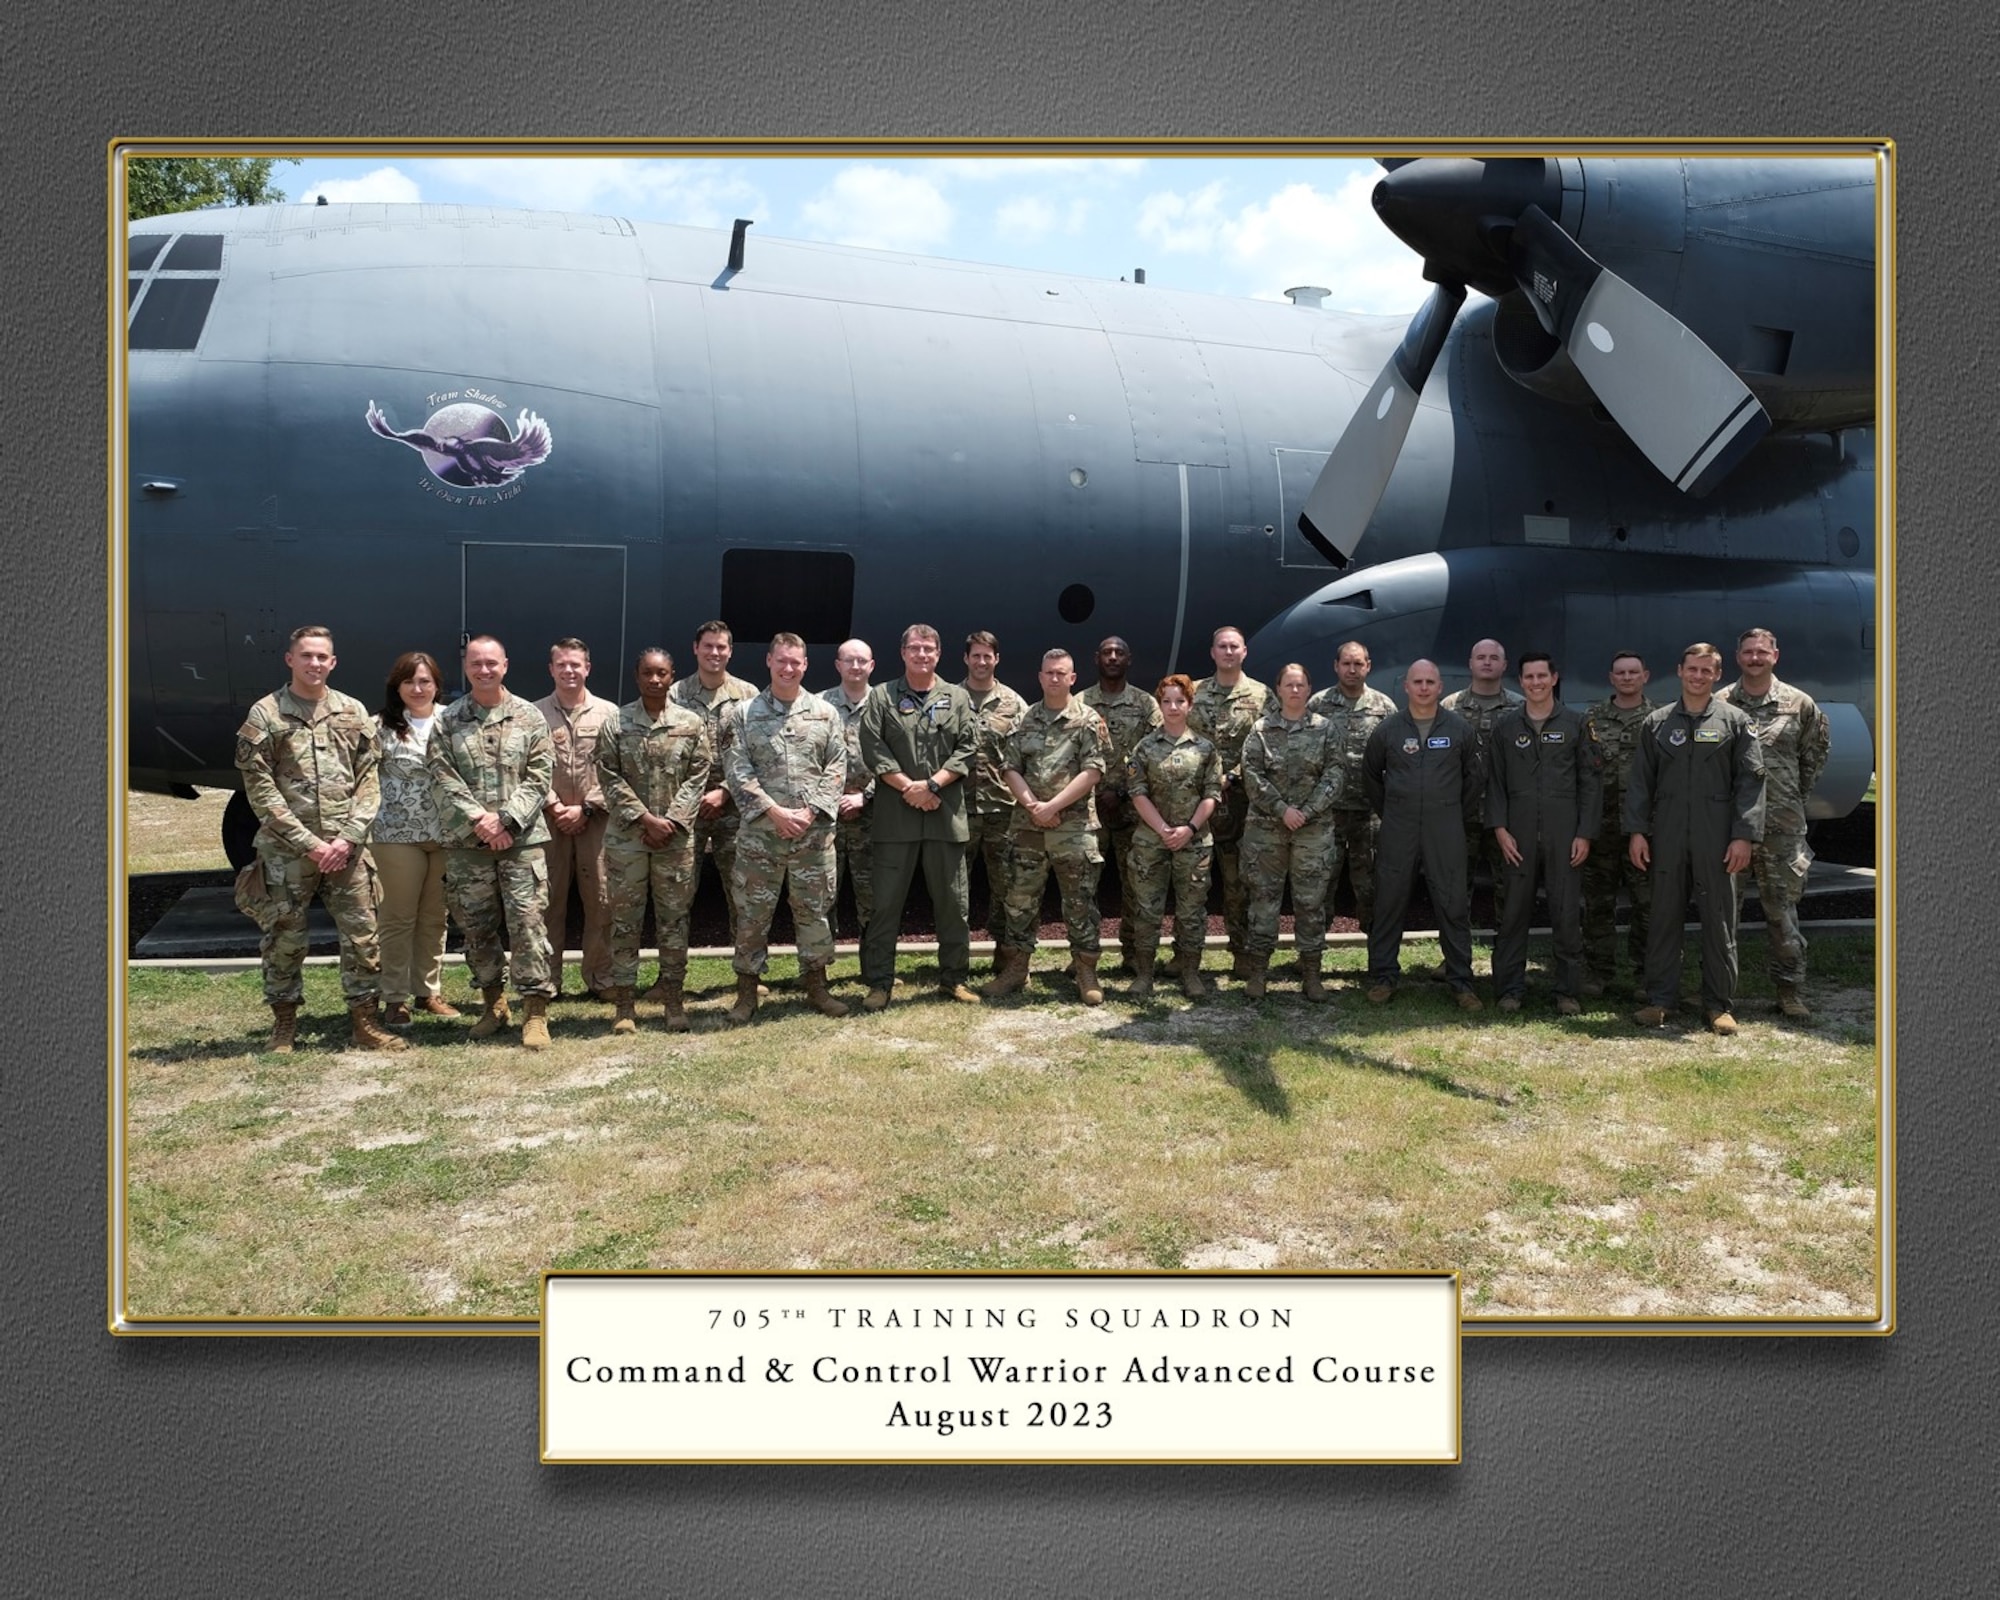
(492, 806)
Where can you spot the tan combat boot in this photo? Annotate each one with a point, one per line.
(1253, 970)
(814, 979)
(627, 1020)
(1310, 983)
(366, 1031)
(746, 999)
(535, 1025)
(284, 1026)
(496, 1015)
(1193, 984)
(1143, 962)
(1010, 974)
(1792, 1002)
(670, 992)
(1084, 969)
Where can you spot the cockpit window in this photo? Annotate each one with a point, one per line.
(195, 252)
(144, 248)
(171, 315)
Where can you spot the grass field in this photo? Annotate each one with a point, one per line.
(1566, 1169)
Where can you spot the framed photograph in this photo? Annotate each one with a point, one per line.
(1578, 403)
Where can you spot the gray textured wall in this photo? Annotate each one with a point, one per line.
(1594, 1467)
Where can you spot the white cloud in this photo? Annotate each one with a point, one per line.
(384, 183)
(1183, 223)
(879, 208)
(702, 194)
(1026, 217)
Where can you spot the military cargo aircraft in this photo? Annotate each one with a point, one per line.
(417, 423)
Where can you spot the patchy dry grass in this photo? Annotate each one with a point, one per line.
(163, 834)
(1566, 1169)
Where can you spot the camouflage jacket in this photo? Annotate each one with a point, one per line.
(1349, 722)
(1479, 715)
(494, 759)
(785, 755)
(859, 779)
(1292, 764)
(1617, 733)
(713, 707)
(1794, 733)
(310, 769)
(999, 711)
(1176, 775)
(1128, 718)
(1049, 748)
(652, 766)
(1226, 717)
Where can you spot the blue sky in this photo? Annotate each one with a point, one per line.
(1234, 226)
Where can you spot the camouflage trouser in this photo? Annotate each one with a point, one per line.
(632, 872)
(1779, 866)
(1309, 857)
(1357, 830)
(349, 896)
(492, 889)
(992, 840)
(1155, 871)
(718, 839)
(851, 854)
(1076, 862)
(1607, 869)
(1227, 827)
(1115, 844)
(765, 862)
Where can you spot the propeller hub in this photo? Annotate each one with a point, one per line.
(1457, 213)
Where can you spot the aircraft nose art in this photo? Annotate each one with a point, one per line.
(1392, 608)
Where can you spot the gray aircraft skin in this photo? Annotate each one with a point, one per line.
(418, 423)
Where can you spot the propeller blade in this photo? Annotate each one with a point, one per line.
(1350, 485)
(1676, 399)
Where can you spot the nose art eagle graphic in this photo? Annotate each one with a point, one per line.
(471, 447)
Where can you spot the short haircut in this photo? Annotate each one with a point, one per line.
(981, 636)
(1536, 655)
(714, 625)
(569, 644)
(922, 630)
(1352, 644)
(1227, 627)
(1057, 654)
(482, 638)
(312, 630)
(786, 641)
(655, 650)
(1175, 680)
(1619, 655)
(1702, 648)
(1765, 634)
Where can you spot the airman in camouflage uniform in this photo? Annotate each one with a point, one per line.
(1481, 703)
(308, 755)
(653, 762)
(1615, 723)
(785, 765)
(1174, 779)
(1351, 710)
(712, 692)
(492, 766)
(1053, 759)
(990, 808)
(1129, 715)
(1795, 738)
(850, 835)
(1226, 707)
(1292, 775)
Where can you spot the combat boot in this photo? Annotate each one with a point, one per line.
(627, 1020)
(496, 1015)
(745, 1008)
(1084, 969)
(659, 989)
(1010, 974)
(535, 1025)
(1193, 984)
(365, 1030)
(284, 1026)
(1310, 983)
(1242, 965)
(1143, 962)
(814, 979)
(1792, 1002)
(1253, 971)
(670, 991)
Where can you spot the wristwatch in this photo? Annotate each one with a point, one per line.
(932, 785)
